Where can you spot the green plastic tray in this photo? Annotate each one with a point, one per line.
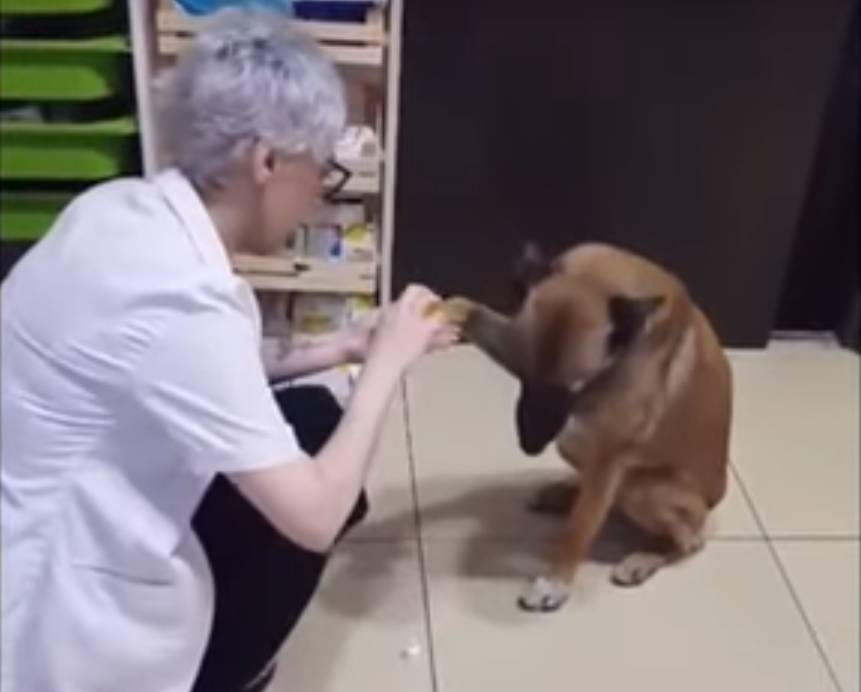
(53, 6)
(29, 215)
(67, 151)
(49, 70)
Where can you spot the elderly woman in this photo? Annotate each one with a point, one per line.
(163, 525)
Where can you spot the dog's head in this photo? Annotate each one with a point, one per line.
(572, 327)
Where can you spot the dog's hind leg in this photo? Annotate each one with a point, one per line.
(554, 499)
(638, 567)
(668, 511)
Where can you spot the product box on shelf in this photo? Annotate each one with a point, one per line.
(340, 233)
(316, 316)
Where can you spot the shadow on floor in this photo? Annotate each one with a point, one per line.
(483, 551)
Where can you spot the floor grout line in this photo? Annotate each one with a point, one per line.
(815, 538)
(727, 538)
(808, 623)
(417, 519)
(549, 540)
(377, 540)
(748, 499)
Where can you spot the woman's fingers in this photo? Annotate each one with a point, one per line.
(418, 298)
(445, 338)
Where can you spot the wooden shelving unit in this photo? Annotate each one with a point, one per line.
(303, 275)
(349, 44)
(368, 55)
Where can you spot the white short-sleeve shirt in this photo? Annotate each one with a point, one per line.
(131, 375)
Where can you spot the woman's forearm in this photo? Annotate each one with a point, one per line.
(345, 460)
(307, 359)
(309, 502)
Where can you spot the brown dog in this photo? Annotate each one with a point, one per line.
(626, 374)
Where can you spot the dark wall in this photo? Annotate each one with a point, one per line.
(821, 288)
(683, 130)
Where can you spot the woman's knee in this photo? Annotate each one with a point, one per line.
(312, 411)
(360, 511)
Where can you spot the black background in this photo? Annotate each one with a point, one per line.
(687, 131)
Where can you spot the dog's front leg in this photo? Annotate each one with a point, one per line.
(487, 329)
(599, 484)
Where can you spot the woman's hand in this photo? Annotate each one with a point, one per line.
(409, 328)
(357, 338)
(448, 336)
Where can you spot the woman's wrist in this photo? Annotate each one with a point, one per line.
(305, 359)
(379, 368)
(348, 347)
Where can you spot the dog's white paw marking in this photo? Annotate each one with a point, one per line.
(694, 544)
(544, 595)
(637, 568)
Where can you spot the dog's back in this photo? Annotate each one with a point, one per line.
(693, 434)
(691, 430)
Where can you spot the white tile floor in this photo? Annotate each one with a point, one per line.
(422, 598)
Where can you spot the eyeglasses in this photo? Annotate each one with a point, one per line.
(335, 177)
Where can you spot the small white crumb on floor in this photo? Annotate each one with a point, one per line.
(411, 650)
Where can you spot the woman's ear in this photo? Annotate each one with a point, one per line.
(262, 159)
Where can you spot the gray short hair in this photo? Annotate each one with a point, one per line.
(249, 77)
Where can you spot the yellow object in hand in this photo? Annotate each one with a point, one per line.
(433, 309)
(456, 311)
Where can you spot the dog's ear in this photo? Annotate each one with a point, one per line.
(531, 268)
(541, 412)
(628, 317)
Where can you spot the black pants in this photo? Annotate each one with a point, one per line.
(263, 582)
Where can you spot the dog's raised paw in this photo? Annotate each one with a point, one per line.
(544, 595)
(457, 310)
(637, 568)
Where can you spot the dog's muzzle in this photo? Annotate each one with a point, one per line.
(540, 414)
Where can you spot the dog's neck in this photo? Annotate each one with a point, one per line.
(641, 359)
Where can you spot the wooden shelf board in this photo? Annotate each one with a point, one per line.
(350, 56)
(361, 185)
(308, 284)
(171, 21)
(305, 275)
